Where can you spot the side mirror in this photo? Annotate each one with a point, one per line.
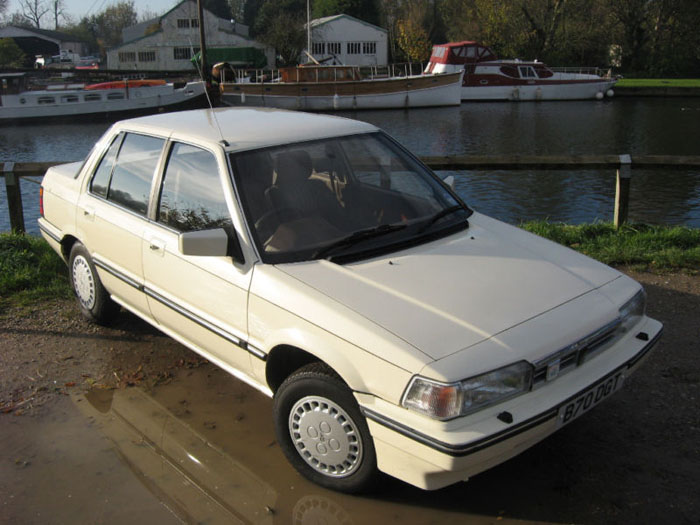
(450, 181)
(212, 243)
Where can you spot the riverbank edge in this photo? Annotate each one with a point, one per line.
(649, 91)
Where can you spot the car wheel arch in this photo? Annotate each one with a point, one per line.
(283, 360)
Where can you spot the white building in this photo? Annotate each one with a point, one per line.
(168, 42)
(344, 39)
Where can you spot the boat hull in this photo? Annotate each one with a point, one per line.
(50, 104)
(405, 92)
(566, 90)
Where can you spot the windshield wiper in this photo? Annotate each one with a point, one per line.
(358, 236)
(439, 215)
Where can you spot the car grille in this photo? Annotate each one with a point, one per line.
(566, 359)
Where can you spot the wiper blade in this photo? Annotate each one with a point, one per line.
(358, 236)
(439, 215)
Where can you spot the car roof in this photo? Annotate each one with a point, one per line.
(239, 129)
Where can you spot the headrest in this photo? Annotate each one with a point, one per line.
(293, 167)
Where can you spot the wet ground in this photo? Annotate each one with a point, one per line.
(186, 442)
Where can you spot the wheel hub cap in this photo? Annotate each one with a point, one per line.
(83, 282)
(325, 436)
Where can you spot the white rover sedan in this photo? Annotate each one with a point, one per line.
(316, 259)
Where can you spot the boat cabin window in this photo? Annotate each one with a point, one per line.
(69, 99)
(527, 72)
(510, 71)
(92, 96)
(46, 100)
(115, 96)
(544, 72)
(439, 51)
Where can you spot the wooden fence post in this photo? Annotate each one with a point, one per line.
(622, 190)
(14, 198)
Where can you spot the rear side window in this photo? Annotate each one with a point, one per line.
(191, 197)
(130, 184)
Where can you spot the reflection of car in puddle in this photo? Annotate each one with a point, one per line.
(194, 478)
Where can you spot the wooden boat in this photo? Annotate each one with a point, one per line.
(488, 78)
(18, 102)
(332, 88)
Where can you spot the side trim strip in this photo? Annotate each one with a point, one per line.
(119, 275)
(184, 312)
(476, 446)
(49, 233)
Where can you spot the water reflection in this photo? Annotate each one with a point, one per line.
(205, 448)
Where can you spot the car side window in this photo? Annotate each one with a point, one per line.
(130, 185)
(100, 180)
(191, 196)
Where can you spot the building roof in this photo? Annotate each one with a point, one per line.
(246, 128)
(46, 33)
(317, 22)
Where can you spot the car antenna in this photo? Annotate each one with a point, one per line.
(198, 64)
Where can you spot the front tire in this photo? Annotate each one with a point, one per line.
(93, 299)
(322, 432)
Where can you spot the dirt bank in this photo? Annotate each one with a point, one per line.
(636, 458)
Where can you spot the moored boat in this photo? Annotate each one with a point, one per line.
(18, 102)
(332, 88)
(488, 78)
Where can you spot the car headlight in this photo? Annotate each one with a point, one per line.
(449, 400)
(633, 310)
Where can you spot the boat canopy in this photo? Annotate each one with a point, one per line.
(466, 52)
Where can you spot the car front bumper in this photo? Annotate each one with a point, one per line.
(433, 454)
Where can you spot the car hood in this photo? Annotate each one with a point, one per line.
(447, 295)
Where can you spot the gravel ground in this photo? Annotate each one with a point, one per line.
(634, 458)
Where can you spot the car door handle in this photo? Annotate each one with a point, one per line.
(89, 213)
(156, 246)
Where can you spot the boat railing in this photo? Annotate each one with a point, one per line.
(598, 71)
(264, 76)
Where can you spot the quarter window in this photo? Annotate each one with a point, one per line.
(100, 180)
(191, 197)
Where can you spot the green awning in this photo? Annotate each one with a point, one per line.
(236, 56)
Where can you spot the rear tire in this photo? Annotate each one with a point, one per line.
(322, 432)
(93, 299)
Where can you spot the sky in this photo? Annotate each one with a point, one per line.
(79, 8)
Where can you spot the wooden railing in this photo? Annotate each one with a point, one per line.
(622, 164)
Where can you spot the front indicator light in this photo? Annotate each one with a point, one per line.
(449, 400)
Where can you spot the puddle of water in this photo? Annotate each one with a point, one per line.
(198, 450)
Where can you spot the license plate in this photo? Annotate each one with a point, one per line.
(590, 398)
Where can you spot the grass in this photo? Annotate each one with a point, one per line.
(659, 82)
(30, 271)
(659, 248)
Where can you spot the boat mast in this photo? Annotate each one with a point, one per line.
(202, 44)
(308, 30)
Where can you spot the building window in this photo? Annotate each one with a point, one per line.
(318, 48)
(183, 23)
(369, 48)
(194, 23)
(333, 48)
(147, 56)
(127, 56)
(184, 53)
(354, 48)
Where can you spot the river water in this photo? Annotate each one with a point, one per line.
(642, 126)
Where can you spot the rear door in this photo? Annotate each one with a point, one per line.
(112, 214)
(200, 300)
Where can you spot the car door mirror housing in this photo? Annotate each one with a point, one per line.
(212, 243)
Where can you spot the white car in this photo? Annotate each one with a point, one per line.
(316, 259)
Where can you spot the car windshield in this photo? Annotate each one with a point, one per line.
(342, 198)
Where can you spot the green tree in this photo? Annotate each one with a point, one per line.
(366, 10)
(220, 8)
(280, 24)
(10, 54)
